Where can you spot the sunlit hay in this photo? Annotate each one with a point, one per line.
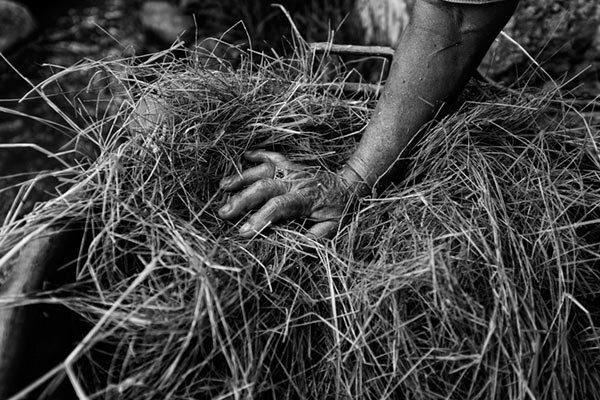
(476, 277)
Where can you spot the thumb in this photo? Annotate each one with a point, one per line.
(324, 230)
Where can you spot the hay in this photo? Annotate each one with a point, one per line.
(476, 277)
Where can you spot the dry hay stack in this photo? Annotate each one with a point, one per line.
(475, 277)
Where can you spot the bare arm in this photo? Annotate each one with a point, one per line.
(437, 54)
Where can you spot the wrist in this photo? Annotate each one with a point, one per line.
(354, 181)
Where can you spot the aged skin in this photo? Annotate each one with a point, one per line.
(437, 54)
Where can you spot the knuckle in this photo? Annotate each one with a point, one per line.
(307, 197)
(267, 183)
(310, 192)
(278, 202)
(236, 199)
(294, 203)
(270, 168)
(261, 183)
(277, 157)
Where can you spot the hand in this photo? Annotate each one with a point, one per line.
(287, 190)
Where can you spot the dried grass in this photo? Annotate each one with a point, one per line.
(475, 277)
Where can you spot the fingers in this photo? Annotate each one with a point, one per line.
(328, 213)
(264, 156)
(278, 208)
(251, 197)
(296, 195)
(327, 222)
(269, 162)
(324, 230)
(248, 177)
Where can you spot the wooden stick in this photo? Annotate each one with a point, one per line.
(376, 51)
(365, 89)
(354, 50)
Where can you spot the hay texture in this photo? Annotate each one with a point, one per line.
(475, 277)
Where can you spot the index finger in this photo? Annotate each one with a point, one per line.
(281, 207)
(266, 157)
(247, 177)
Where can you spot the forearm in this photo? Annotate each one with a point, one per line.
(436, 56)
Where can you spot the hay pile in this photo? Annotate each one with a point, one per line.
(476, 277)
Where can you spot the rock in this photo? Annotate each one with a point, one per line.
(563, 37)
(165, 20)
(16, 24)
(559, 36)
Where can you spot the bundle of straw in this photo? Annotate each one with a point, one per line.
(477, 276)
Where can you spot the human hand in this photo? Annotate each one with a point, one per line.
(287, 190)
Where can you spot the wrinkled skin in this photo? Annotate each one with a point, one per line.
(283, 189)
(437, 54)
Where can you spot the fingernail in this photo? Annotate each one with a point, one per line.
(225, 182)
(245, 228)
(225, 209)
